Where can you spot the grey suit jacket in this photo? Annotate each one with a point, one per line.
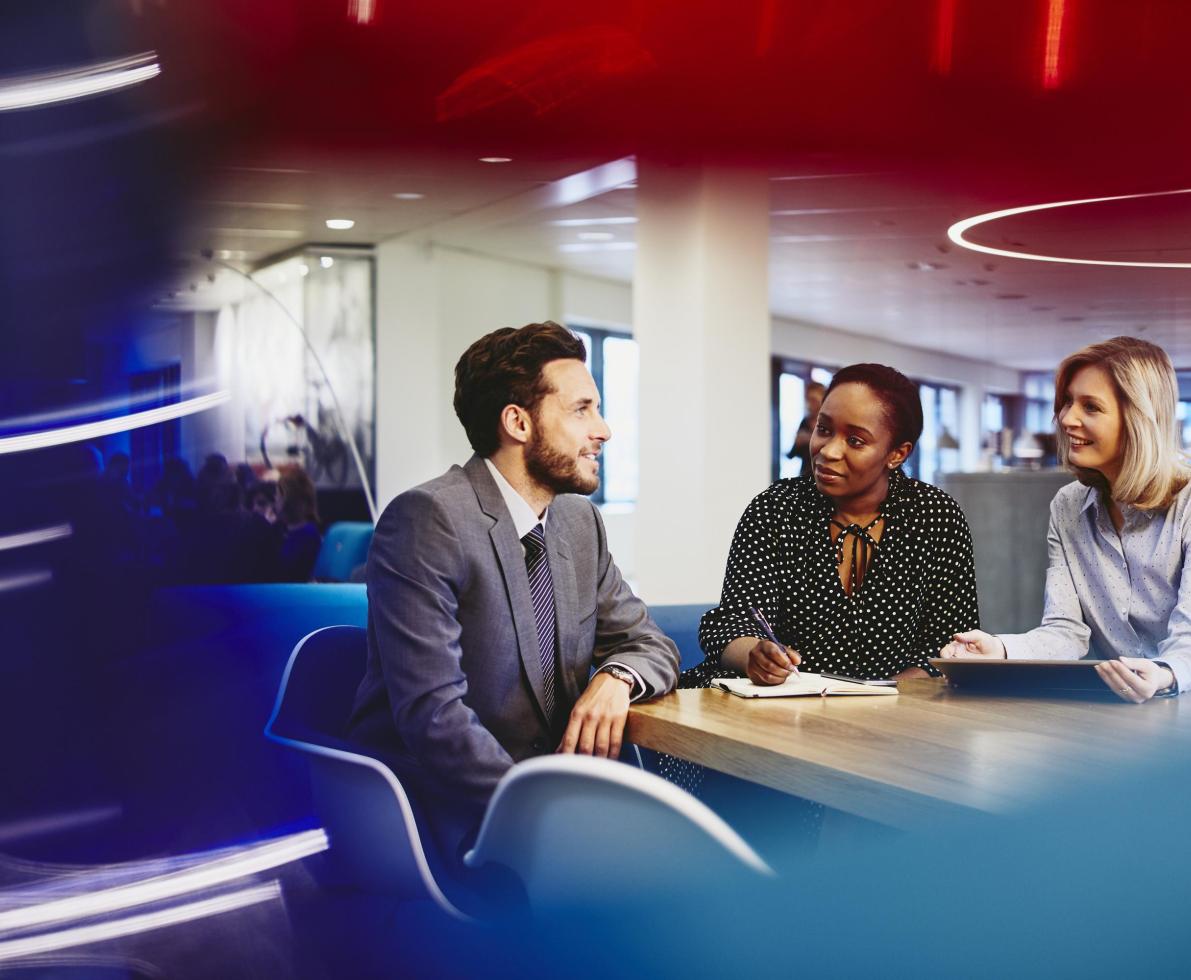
(453, 691)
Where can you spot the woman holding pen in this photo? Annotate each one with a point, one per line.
(1117, 587)
(856, 570)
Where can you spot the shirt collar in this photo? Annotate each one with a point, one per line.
(524, 518)
(1129, 512)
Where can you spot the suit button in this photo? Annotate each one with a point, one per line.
(539, 745)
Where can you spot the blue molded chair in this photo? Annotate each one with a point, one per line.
(344, 549)
(364, 808)
(681, 624)
(577, 829)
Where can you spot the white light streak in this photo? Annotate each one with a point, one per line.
(82, 935)
(31, 91)
(33, 827)
(106, 427)
(26, 539)
(254, 859)
(27, 580)
(956, 232)
(340, 224)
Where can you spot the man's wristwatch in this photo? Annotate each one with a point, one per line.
(621, 675)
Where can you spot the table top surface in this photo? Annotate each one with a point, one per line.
(898, 759)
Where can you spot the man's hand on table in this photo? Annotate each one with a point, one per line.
(596, 726)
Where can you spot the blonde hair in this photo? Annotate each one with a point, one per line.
(1153, 467)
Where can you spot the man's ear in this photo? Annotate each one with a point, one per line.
(516, 423)
(898, 454)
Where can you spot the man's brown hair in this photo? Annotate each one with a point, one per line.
(505, 368)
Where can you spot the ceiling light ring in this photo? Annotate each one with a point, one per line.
(956, 232)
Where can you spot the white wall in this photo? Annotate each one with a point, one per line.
(835, 348)
(433, 301)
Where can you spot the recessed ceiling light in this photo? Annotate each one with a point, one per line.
(409, 196)
(496, 159)
(620, 219)
(340, 224)
(596, 236)
(304, 269)
(326, 261)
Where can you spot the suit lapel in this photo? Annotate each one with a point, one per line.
(511, 558)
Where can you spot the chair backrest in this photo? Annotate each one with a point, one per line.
(364, 808)
(681, 624)
(319, 686)
(576, 829)
(344, 548)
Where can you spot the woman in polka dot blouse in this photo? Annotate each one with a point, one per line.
(859, 570)
(1120, 538)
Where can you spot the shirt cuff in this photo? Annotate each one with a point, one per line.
(640, 690)
(1178, 667)
(1017, 647)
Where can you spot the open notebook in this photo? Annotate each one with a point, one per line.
(802, 685)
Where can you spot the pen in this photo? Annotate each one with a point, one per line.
(769, 633)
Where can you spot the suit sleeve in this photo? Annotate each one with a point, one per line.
(416, 570)
(625, 632)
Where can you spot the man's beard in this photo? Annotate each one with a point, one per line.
(555, 471)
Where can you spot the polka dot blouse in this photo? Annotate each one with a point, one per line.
(918, 591)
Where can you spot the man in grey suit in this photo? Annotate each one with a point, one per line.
(492, 595)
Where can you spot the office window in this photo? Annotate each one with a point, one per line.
(938, 450)
(613, 360)
(790, 378)
(1039, 388)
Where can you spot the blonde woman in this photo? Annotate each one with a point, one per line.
(1119, 539)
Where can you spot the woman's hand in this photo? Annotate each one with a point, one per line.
(910, 674)
(974, 643)
(1135, 679)
(770, 664)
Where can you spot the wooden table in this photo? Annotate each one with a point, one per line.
(900, 760)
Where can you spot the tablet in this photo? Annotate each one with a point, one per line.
(1026, 678)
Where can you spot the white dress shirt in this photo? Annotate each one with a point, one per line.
(1114, 595)
(524, 521)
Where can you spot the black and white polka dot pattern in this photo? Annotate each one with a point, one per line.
(919, 590)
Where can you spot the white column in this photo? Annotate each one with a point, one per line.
(701, 316)
(411, 373)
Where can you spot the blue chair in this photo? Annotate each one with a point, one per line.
(344, 549)
(364, 808)
(681, 624)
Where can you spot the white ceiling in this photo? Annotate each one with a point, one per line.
(855, 246)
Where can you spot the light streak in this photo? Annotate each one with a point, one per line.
(944, 37)
(956, 233)
(31, 91)
(257, 858)
(26, 580)
(82, 935)
(1054, 42)
(55, 824)
(41, 535)
(106, 427)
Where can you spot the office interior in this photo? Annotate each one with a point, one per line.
(284, 223)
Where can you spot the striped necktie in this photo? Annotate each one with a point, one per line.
(541, 590)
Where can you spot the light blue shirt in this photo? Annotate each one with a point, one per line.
(1114, 595)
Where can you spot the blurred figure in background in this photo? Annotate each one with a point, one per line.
(802, 439)
(299, 517)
